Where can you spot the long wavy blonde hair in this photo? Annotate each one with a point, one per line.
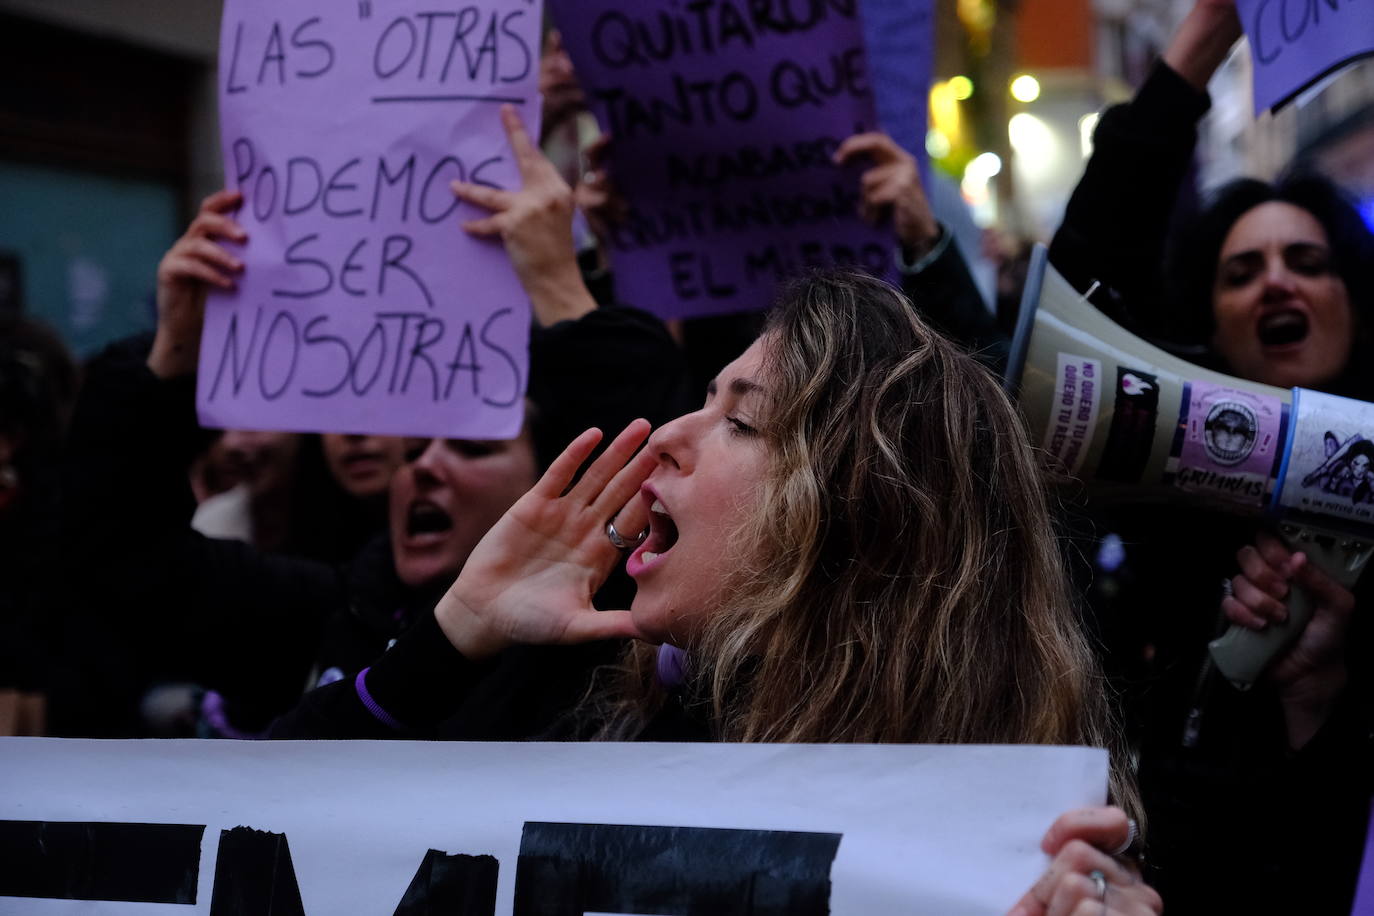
(902, 579)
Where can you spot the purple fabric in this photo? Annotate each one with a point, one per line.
(378, 713)
(1364, 890)
(672, 666)
(213, 711)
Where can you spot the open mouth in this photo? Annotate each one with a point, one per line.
(662, 533)
(1282, 329)
(425, 517)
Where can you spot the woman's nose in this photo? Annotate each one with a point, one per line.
(1278, 279)
(427, 460)
(671, 442)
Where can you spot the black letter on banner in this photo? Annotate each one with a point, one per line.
(242, 171)
(267, 346)
(1256, 37)
(377, 53)
(254, 875)
(520, 43)
(453, 885)
(237, 370)
(229, 85)
(567, 869)
(72, 860)
(268, 56)
(519, 389)
(301, 44)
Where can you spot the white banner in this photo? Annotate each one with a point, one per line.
(364, 827)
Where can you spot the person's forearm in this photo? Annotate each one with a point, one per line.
(175, 351)
(559, 295)
(1202, 41)
(1308, 706)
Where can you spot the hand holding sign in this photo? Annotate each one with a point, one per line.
(193, 264)
(892, 190)
(1085, 876)
(1203, 40)
(531, 578)
(535, 223)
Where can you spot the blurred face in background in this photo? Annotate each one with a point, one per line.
(447, 497)
(1282, 313)
(264, 461)
(363, 465)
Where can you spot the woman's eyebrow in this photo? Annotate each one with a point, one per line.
(742, 386)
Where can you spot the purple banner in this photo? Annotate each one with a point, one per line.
(363, 307)
(723, 119)
(1295, 42)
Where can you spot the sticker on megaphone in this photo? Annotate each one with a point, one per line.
(1073, 418)
(1228, 445)
(1330, 466)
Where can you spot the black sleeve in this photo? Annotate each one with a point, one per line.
(1117, 220)
(415, 685)
(943, 291)
(175, 603)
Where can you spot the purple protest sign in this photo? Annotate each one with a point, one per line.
(723, 119)
(363, 307)
(1295, 42)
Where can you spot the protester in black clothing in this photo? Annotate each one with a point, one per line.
(252, 625)
(1257, 801)
(37, 386)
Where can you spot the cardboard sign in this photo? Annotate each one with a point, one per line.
(900, 36)
(109, 827)
(363, 307)
(1329, 469)
(723, 121)
(1295, 42)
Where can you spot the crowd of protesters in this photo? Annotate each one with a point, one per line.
(852, 540)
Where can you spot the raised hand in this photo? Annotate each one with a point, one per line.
(892, 190)
(193, 264)
(535, 224)
(596, 194)
(531, 578)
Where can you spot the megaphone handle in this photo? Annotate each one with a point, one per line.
(1242, 654)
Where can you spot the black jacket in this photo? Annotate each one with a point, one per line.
(163, 602)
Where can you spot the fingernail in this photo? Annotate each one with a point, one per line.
(457, 185)
(1019, 910)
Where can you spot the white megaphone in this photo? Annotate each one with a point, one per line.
(1139, 424)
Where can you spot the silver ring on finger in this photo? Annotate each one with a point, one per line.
(620, 542)
(1132, 834)
(1099, 881)
(1227, 588)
